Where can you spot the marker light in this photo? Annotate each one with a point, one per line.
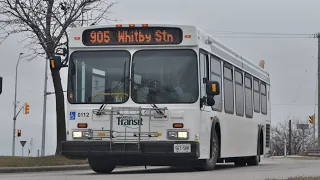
(177, 125)
(82, 125)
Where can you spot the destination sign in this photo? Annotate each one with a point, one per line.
(132, 36)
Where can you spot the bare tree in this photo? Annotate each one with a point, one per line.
(44, 25)
(280, 132)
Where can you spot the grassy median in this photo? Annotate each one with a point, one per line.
(9, 161)
(299, 178)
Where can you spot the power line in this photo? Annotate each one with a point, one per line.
(261, 33)
(263, 37)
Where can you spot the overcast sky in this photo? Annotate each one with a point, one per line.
(292, 62)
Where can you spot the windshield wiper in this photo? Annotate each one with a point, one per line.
(145, 96)
(115, 88)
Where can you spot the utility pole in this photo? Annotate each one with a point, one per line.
(318, 36)
(43, 143)
(289, 147)
(15, 108)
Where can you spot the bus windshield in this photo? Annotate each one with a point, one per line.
(165, 76)
(99, 77)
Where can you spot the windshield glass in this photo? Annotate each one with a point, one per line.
(98, 77)
(165, 76)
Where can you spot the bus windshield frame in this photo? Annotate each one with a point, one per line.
(159, 76)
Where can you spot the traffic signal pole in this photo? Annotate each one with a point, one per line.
(318, 76)
(15, 108)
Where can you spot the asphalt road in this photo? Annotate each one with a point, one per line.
(269, 168)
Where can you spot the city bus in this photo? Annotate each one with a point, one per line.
(163, 95)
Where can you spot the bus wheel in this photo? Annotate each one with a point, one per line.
(101, 165)
(254, 160)
(209, 164)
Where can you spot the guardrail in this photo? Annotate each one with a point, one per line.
(312, 151)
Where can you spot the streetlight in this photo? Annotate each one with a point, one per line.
(15, 108)
(45, 93)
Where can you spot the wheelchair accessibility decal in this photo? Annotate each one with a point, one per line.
(72, 115)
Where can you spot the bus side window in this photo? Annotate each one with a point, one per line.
(256, 95)
(216, 76)
(248, 97)
(263, 99)
(228, 89)
(239, 92)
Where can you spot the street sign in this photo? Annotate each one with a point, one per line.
(303, 126)
(23, 143)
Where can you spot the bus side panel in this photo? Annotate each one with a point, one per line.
(205, 132)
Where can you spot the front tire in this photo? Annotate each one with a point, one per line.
(101, 165)
(209, 164)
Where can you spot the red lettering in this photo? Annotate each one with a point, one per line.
(164, 37)
(148, 37)
(106, 36)
(170, 37)
(136, 36)
(128, 37)
(158, 36)
(99, 37)
(141, 37)
(93, 36)
(121, 36)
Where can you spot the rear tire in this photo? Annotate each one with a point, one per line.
(101, 165)
(254, 160)
(209, 164)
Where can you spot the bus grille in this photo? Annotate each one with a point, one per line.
(268, 135)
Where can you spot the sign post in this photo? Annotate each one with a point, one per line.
(302, 127)
(22, 144)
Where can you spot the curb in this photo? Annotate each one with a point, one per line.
(44, 169)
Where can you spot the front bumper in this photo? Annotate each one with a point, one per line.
(148, 150)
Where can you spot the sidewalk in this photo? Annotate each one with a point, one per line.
(44, 168)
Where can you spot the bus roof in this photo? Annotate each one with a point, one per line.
(198, 37)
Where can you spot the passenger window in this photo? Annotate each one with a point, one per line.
(239, 93)
(263, 99)
(248, 97)
(256, 95)
(228, 90)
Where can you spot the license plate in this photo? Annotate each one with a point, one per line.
(182, 148)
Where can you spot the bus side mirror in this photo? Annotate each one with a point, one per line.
(213, 88)
(0, 85)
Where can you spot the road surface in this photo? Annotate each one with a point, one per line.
(269, 168)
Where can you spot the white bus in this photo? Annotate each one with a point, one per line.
(163, 95)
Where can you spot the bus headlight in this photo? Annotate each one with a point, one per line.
(81, 134)
(184, 135)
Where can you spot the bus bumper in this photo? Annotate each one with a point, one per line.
(148, 150)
